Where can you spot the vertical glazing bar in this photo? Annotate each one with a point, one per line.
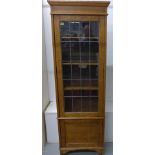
(80, 67)
(98, 65)
(71, 65)
(89, 68)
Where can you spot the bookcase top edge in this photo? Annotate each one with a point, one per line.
(99, 3)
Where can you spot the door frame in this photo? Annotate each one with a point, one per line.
(102, 64)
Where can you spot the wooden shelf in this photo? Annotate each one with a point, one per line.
(79, 37)
(81, 96)
(95, 41)
(80, 88)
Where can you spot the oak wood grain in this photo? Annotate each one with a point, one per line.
(102, 3)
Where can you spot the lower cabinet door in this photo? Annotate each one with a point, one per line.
(81, 133)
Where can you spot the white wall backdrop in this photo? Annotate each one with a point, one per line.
(45, 89)
(49, 50)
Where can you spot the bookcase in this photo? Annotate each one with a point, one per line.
(79, 42)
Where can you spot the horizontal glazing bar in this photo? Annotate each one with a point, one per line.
(79, 41)
(78, 63)
(81, 96)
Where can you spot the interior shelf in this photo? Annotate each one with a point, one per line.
(80, 88)
(66, 37)
(81, 96)
(79, 41)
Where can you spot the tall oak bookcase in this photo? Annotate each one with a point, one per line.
(79, 31)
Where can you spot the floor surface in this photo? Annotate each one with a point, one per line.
(53, 149)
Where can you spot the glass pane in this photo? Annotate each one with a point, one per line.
(68, 104)
(66, 72)
(80, 50)
(94, 30)
(75, 51)
(67, 83)
(76, 104)
(85, 104)
(85, 51)
(85, 71)
(94, 93)
(94, 50)
(74, 29)
(75, 72)
(77, 93)
(93, 104)
(84, 31)
(94, 72)
(85, 93)
(65, 46)
(67, 93)
(64, 28)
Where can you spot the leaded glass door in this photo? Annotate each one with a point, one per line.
(80, 65)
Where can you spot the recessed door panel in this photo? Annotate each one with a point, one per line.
(82, 133)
